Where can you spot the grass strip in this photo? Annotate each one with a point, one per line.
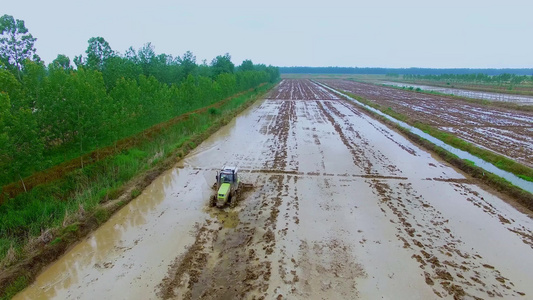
(38, 226)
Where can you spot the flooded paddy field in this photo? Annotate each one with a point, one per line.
(508, 132)
(491, 96)
(342, 208)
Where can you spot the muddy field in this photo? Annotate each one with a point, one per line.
(491, 96)
(505, 131)
(342, 208)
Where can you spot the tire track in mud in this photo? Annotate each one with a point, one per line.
(376, 155)
(287, 276)
(380, 129)
(280, 128)
(230, 259)
(301, 90)
(316, 269)
(477, 200)
(328, 266)
(354, 149)
(322, 269)
(235, 262)
(447, 268)
(359, 147)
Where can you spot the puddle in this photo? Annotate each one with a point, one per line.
(227, 217)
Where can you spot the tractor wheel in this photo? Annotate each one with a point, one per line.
(234, 200)
(212, 201)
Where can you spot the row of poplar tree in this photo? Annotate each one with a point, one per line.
(100, 98)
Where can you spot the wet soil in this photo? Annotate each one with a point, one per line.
(505, 131)
(342, 208)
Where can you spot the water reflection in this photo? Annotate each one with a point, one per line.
(98, 251)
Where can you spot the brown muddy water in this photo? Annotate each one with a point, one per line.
(342, 208)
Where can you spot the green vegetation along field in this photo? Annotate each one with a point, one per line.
(75, 137)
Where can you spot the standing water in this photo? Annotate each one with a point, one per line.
(467, 93)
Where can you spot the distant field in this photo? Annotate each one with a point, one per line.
(502, 130)
(524, 88)
(356, 77)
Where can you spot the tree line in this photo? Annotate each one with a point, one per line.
(480, 78)
(405, 71)
(50, 112)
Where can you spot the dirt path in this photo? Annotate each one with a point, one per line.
(343, 208)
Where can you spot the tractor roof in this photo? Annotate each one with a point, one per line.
(229, 169)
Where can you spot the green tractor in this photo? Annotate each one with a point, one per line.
(227, 187)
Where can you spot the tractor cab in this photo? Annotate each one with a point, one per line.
(227, 175)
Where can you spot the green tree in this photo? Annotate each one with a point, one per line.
(131, 54)
(5, 116)
(145, 56)
(60, 109)
(88, 105)
(32, 81)
(222, 64)
(204, 69)
(118, 67)
(16, 44)
(10, 85)
(25, 142)
(61, 61)
(188, 63)
(273, 72)
(164, 68)
(188, 92)
(22, 149)
(98, 52)
(53, 106)
(72, 111)
(227, 83)
(247, 65)
(78, 61)
(126, 108)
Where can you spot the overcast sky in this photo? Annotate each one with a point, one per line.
(370, 33)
